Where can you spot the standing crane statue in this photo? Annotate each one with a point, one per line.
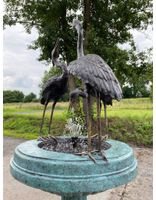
(55, 87)
(99, 81)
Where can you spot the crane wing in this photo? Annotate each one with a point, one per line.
(93, 70)
(50, 85)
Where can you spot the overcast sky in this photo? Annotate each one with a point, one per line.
(22, 70)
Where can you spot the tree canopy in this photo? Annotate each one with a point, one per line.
(30, 97)
(12, 96)
(107, 24)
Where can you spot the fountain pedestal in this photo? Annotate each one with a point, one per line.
(74, 197)
(73, 177)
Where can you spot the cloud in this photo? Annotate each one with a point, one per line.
(143, 39)
(22, 71)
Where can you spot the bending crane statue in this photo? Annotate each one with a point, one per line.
(55, 87)
(99, 81)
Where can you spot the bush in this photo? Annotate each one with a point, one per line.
(35, 100)
(139, 90)
(30, 97)
(12, 96)
(138, 132)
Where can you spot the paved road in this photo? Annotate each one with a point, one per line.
(140, 189)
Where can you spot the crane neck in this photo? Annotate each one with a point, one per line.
(80, 51)
(63, 67)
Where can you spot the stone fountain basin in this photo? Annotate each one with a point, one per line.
(67, 174)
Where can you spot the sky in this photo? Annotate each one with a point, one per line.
(21, 69)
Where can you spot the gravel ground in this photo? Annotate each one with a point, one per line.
(140, 189)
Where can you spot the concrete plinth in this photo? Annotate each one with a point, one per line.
(74, 197)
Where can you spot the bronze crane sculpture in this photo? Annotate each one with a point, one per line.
(99, 81)
(55, 87)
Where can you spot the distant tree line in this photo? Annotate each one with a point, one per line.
(142, 90)
(13, 96)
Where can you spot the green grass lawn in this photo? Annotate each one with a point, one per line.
(129, 120)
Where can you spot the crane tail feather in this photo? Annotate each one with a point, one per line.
(42, 101)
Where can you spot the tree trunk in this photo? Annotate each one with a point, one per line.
(87, 13)
(87, 29)
(71, 86)
(64, 24)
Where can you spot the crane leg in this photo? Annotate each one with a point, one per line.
(88, 120)
(88, 132)
(105, 118)
(99, 122)
(99, 128)
(88, 124)
(45, 106)
(72, 103)
(51, 116)
(70, 106)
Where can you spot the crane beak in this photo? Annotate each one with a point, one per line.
(55, 51)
